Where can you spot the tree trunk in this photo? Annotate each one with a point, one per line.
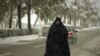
(5, 25)
(64, 19)
(19, 16)
(11, 9)
(45, 20)
(29, 18)
(74, 21)
(69, 21)
(36, 21)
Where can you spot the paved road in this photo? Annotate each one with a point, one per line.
(87, 45)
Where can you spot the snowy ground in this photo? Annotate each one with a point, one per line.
(90, 28)
(32, 37)
(12, 40)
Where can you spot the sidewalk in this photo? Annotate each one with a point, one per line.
(18, 38)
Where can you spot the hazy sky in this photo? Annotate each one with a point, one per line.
(33, 18)
(97, 4)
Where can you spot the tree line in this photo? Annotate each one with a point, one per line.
(79, 10)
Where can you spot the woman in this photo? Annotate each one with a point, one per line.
(57, 42)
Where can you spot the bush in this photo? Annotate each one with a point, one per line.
(15, 32)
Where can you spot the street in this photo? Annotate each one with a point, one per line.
(88, 44)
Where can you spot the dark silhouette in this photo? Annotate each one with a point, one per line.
(57, 42)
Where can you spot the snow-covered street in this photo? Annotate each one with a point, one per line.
(16, 39)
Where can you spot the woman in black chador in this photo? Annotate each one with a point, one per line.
(57, 42)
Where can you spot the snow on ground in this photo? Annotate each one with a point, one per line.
(34, 37)
(90, 28)
(18, 38)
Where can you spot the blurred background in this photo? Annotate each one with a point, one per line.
(22, 21)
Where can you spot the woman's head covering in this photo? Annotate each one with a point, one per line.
(57, 21)
(56, 24)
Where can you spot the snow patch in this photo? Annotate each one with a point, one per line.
(90, 28)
